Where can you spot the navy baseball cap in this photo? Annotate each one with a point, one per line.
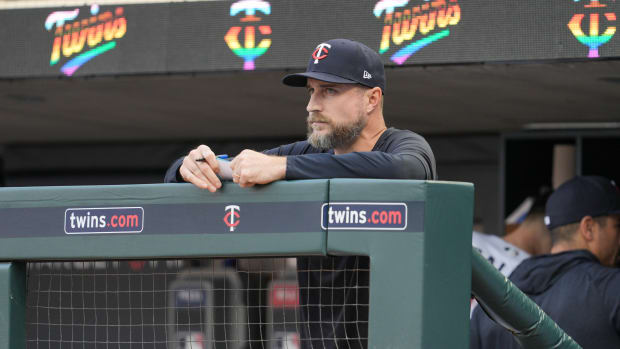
(342, 61)
(579, 197)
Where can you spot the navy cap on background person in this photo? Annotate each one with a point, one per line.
(579, 197)
(342, 61)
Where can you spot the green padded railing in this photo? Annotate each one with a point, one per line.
(420, 271)
(514, 310)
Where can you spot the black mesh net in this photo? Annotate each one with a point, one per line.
(305, 302)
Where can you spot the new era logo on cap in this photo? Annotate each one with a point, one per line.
(342, 61)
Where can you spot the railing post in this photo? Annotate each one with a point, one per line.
(514, 310)
(13, 305)
(419, 273)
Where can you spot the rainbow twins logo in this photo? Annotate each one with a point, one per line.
(81, 40)
(388, 6)
(249, 51)
(424, 24)
(596, 11)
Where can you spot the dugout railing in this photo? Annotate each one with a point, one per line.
(503, 302)
(420, 270)
(420, 265)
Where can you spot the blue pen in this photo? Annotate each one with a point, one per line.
(221, 156)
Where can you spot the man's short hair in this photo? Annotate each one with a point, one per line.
(566, 233)
(382, 99)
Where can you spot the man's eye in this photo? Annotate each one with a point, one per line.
(330, 91)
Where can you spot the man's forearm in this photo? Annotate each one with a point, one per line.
(358, 165)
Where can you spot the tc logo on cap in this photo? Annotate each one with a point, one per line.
(318, 52)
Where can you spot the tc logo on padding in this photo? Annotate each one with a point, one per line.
(232, 217)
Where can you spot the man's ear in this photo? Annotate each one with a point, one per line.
(586, 228)
(373, 96)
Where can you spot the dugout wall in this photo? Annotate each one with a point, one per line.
(420, 270)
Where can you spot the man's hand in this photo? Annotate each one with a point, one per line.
(251, 167)
(201, 174)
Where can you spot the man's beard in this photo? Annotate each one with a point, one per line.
(341, 135)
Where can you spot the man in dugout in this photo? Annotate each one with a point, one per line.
(347, 138)
(577, 284)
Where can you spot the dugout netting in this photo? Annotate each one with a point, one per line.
(270, 303)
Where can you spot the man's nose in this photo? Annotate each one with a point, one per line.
(314, 104)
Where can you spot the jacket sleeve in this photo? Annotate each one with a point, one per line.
(172, 174)
(610, 287)
(409, 158)
(474, 335)
(357, 165)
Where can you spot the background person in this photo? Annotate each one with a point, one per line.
(530, 238)
(347, 137)
(576, 285)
